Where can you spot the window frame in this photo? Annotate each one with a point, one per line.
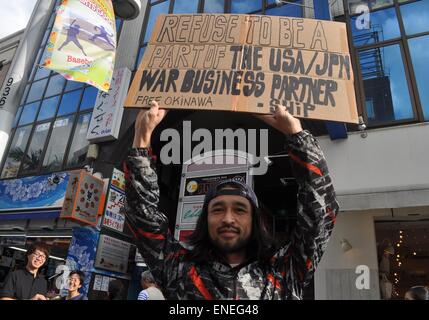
(402, 40)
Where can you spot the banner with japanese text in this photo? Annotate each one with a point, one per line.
(82, 45)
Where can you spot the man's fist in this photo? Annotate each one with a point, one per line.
(39, 297)
(282, 120)
(146, 122)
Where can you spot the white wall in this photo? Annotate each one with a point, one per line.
(335, 275)
(384, 170)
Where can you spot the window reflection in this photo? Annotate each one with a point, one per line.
(88, 99)
(33, 157)
(29, 113)
(79, 147)
(385, 84)
(245, 6)
(288, 10)
(69, 102)
(16, 152)
(185, 6)
(48, 108)
(373, 4)
(415, 16)
(418, 52)
(154, 12)
(214, 6)
(36, 91)
(55, 86)
(383, 25)
(54, 155)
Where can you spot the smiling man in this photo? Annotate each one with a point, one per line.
(28, 284)
(230, 255)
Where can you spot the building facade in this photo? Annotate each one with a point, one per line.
(377, 168)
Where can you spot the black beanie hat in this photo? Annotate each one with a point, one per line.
(241, 189)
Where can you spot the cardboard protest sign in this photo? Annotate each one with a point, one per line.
(247, 63)
(82, 44)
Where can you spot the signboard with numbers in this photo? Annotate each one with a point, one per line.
(108, 110)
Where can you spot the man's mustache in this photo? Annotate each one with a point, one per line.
(228, 229)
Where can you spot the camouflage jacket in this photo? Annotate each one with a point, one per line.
(283, 277)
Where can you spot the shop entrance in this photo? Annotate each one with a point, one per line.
(403, 255)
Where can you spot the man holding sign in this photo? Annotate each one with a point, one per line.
(230, 254)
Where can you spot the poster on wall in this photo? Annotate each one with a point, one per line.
(190, 212)
(112, 254)
(114, 218)
(248, 63)
(39, 192)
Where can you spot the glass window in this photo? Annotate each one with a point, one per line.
(36, 91)
(373, 4)
(419, 56)
(16, 152)
(79, 147)
(48, 108)
(415, 16)
(155, 11)
(288, 10)
(385, 84)
(88, 100)
(29, 113)
(27, 87)
(185, 6)
(140, 57)
(18, 114)
(34, 153)
(55, 86)
(42, 72)
(72, 85)
(57, 144)
(69, 102)
(214, 6)
(245, 6)
(383, 25)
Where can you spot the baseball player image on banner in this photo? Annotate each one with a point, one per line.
(82, 44)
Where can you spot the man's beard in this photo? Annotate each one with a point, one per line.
(226, 247)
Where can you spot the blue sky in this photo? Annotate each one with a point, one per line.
(14, 15)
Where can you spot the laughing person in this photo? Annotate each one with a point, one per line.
(231, 255)
(28, 284)
(75, 282)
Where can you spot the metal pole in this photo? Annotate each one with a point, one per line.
(20, 68)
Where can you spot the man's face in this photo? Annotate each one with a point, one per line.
(36, 259)
(230, 222)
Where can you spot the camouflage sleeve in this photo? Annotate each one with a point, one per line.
(148, 225)
(317, 209)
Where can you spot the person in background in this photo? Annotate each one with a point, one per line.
(76, 280)
(115, 290)
(417, 293)
(150, 290)
(28, 284)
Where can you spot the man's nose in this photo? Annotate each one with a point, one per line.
(228, 216)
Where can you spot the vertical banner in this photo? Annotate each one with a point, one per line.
(82, 44)
(107, 115)
(81, 256)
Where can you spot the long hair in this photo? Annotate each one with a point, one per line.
(261, 245)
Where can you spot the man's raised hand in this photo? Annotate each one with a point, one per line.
(146, 122)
